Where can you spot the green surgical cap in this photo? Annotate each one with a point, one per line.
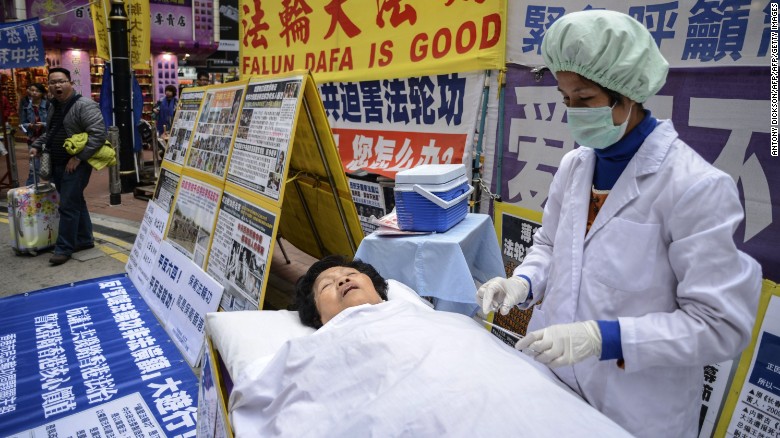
(610, 48)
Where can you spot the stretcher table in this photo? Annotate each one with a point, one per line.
(445, 266)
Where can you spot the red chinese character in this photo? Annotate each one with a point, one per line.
(396, 15)
(257, 26)
(338, 16)
(295, 21)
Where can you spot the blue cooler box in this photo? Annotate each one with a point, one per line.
(432, 197)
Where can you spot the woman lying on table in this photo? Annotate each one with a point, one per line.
(395, 367)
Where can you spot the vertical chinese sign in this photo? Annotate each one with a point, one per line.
(139, 28)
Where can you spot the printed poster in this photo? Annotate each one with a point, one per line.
(386, 126)
(214, 130)
(181, 293)
(515, 227)
(183, 125)
(165, 190)
(211, 416)
(690, 33)
(192, 220)
(146, 248)
(369, 200)
(264, 133)
(717, 378)
(240, 251)
(757, 411)
(90, 359)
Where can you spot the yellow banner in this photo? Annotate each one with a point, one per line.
(99, 11)
(355, 40)
(139, 28)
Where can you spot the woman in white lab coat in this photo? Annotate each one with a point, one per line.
(641, 282)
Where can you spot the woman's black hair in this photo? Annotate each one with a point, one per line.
(171, 88)
(304, 287)
(40, 87)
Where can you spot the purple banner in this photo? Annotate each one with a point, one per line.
(54, 18)
(722, 113)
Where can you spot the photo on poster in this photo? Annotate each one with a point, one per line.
(264, 134)
(240, 251)
(165, 190)
(183, 126)
(189, 229)
(369, 201)
(214, 131)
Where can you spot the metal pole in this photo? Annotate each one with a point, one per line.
(114, 183)
(120, 70)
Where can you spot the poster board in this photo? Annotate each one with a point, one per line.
(515, 227)
(212, 406)
(241, 249)
(751, 408)
(90, 359)
(318, 214)
(234, 195)
(183, 127)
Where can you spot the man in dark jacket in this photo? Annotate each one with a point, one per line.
(71, 114)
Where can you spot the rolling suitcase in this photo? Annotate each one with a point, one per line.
(34, 217)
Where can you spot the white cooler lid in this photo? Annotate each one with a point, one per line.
(431, 174)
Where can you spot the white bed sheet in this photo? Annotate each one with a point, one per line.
(396, 369)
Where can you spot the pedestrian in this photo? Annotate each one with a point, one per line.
(203, 78)
(635, 261)
(71, 113)
(33, 116)
(165, 109)
(7, 108)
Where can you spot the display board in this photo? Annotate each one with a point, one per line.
(752, 408)
(515, 228)
(90, 359)
(253, 158)
(183, 126)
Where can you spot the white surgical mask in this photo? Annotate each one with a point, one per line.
(594, 128)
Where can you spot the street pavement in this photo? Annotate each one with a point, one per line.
(115, 229)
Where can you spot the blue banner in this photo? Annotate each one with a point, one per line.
(21, 45)
(91, 360)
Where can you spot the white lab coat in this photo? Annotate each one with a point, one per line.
(660, 258)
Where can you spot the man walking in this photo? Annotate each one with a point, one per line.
(71, 114)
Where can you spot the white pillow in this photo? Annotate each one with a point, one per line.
(243, 337)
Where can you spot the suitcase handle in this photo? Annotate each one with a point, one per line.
(47, 186)
(437, 200)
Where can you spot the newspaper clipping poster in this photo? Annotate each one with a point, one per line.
(214, 130)
(146, 247)
(369, 201)
(182, 126)
(191, 223)
(263, 137)
(757, 412)
(165, 191)
(239, 253)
